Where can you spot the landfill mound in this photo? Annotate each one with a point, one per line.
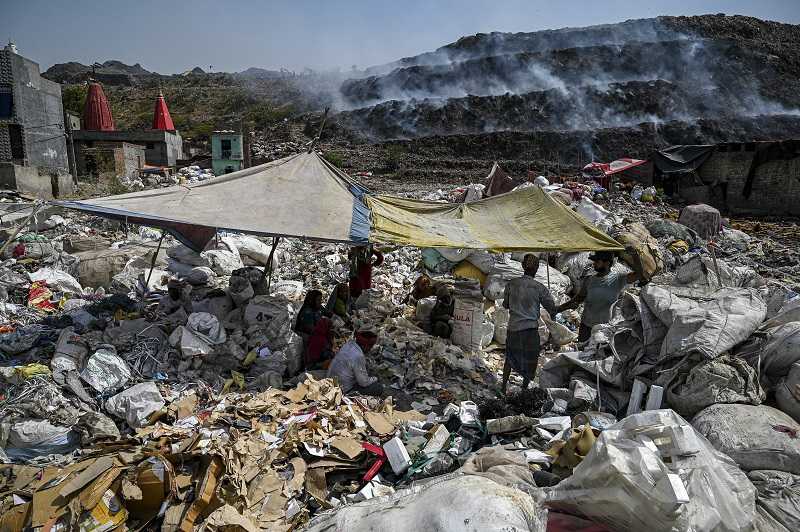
(660, 70)
(150, 386)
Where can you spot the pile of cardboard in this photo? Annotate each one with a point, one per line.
(259, 461)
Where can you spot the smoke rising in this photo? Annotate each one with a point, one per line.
(573, 79)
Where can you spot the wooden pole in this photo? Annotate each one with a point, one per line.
(267, 274)
(152, 265)
(319, 134)
(547, 264)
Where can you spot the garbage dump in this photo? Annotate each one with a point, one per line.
(151, 385)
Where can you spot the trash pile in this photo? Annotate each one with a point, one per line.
(148, 384)
(271, 151)
(194, 174)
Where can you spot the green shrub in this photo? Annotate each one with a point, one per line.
(334, 158)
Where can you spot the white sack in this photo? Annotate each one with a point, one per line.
(450, 503)
(746, 434)
(705, 324)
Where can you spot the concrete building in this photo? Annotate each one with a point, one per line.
(750, 178)
(33, 148)
(161, 148)
(107, 160)
(226, 152)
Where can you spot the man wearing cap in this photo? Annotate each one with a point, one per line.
(599, 292)
(349, 366)
(523, 296)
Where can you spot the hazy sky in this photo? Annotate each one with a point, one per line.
(169, 36)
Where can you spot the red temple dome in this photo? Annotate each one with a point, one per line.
(161, 118)
(96, 111)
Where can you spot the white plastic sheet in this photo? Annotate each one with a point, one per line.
(58, 280)
(105, 371)
(136, 404)
(636, 474)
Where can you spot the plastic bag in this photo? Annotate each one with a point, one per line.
(483, 260)
(787, 393)
(199, 275)
(37, 437)
(501, 316)
(704, 325)
(136, 404)
(105, 371)
(652, 471)
(424, 309)
(240, 290)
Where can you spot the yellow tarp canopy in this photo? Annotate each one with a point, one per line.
(527, 219)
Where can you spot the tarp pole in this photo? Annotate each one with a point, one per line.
(319, 135)
(547, 263)
(268, 265)
(152, 266)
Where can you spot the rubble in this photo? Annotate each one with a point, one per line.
(178, 397)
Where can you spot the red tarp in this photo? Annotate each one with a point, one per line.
(620, 165)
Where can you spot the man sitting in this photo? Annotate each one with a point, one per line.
(349, 366)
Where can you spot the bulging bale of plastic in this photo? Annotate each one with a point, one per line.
(706, 324)
(652, 471)
(424, 309)
(253, 251)
(31, 438)
(749, 436)
(186, 255)
(199, 275)
(782, 350)
(136, 404)
(722, 380)
(223, 262)
(483, 260)
(501, 316)
(779, 496)
(449, 503)
(787, 393)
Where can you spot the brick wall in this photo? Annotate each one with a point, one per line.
(776, 186)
